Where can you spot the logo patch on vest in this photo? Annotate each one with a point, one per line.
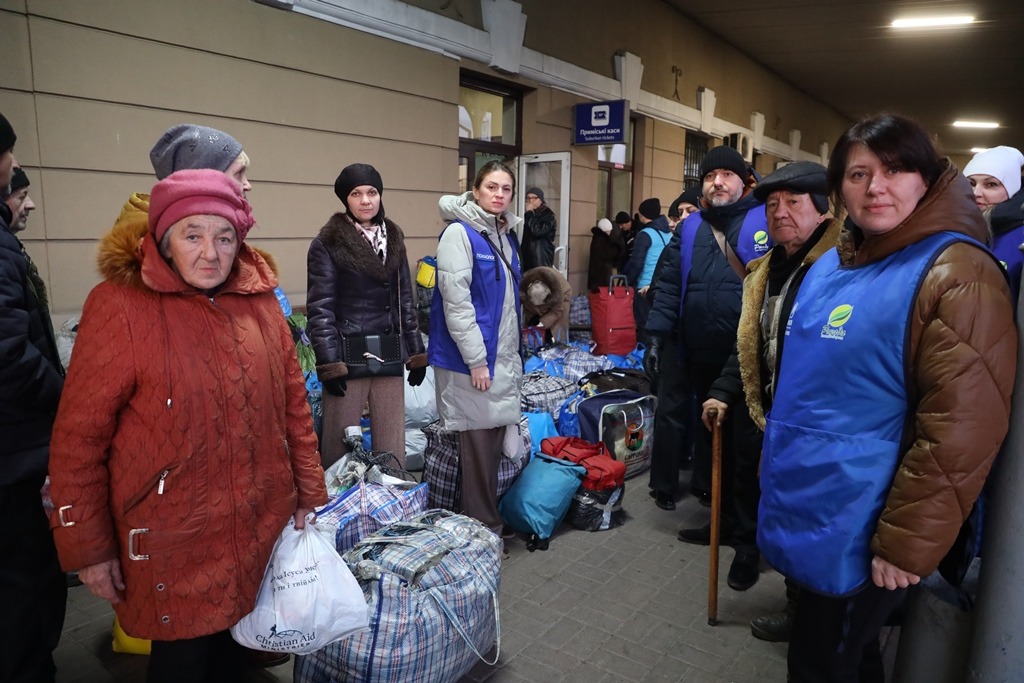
(761, 241)
(485, 257)
(839, 316)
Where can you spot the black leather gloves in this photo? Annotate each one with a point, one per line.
(416, 376)
(652, 358)
(335, 386)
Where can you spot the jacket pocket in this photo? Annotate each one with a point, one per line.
(157, 483)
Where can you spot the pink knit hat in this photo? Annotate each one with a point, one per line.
(198, 192)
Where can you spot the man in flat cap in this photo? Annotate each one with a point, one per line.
(697, 304)
(796, 206)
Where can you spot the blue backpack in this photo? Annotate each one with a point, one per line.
(538, 501)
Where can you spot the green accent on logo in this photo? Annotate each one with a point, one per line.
(840, 315)
(761, 237)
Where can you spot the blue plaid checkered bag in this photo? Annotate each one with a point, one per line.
(577, 363)
(366, 507)
(431, 585)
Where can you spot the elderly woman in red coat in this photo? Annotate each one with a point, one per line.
(183, 442)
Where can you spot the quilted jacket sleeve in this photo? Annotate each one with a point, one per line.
(100, 381)
(454, 277)
(964, 359)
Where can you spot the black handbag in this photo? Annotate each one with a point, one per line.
(375, 355)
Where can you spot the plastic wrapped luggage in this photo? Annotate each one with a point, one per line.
(624, 421)
(611, 315)
(431, 584)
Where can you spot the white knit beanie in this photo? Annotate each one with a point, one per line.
(999, 162)
(605, 225)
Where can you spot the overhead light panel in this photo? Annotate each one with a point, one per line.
(978, 150)
(933, 22)
(975, 124)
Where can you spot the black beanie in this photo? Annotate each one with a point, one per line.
(18, 179)
(723, 157)
(799, 177)
(650, 208)
(354, 175)
(7, 136)
(622, 217)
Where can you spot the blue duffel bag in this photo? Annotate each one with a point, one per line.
(538, 501)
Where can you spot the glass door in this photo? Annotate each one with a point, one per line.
(550, 173)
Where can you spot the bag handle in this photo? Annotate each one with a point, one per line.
(454, 621)
(620, 278)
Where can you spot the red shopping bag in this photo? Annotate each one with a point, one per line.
(611, 317)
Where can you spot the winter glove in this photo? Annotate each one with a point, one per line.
(652, 359)
(416, 376)
(335, 386)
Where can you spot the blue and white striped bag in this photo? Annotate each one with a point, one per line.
(431, 584)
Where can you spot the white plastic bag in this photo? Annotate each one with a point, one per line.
(308, 598)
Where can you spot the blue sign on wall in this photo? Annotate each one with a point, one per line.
(600, 123)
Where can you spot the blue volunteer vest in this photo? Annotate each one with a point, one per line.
(658, 241)
(753, 242)
(487, 292)
(1005, 248)
(832, 440)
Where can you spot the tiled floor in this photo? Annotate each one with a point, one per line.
(629, 604)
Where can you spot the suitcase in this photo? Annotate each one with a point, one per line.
(624, 421)
(611, 317)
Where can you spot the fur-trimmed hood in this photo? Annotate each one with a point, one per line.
(129, 256)
(347, 246)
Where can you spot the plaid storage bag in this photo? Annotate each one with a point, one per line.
(542, 392)
(579, 311)
(366, 507)
(441, 465)
(431, 585)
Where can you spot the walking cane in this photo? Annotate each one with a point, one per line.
(716, 514)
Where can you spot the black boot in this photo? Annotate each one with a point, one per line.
(777, 627)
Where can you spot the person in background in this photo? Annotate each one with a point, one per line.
(606, 249)
(625, 224)
(995, 176)
(18, 201)
(475, 333)
(546, 296)
(698, 303)
(686, 203)
(183, 442)
(33, 589)
(359, 284)
(639, 270)
(892, 397)
(796, 206)
(540, 228)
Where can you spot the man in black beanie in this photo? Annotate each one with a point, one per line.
(714, 246)
(540, 229)
(33, 589)
(625, 223)
(639, 269)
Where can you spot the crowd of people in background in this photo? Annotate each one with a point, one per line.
(182, 432)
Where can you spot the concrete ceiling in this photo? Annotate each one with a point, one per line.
(844, 53)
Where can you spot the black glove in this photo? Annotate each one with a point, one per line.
(416, 376)
(652, 359)
(335, 386)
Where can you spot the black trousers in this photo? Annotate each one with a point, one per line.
(675, 421)
(741, 453)
(33, 589)
(835, 640)
(215, 658)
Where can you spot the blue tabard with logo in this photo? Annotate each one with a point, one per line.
(753, 242)
(832, 440)
(1005, 247)
(487, 292)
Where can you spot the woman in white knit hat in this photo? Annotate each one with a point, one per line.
(995, 176)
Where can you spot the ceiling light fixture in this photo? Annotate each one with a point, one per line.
(933, 22)
(978, 150)
(975, 124)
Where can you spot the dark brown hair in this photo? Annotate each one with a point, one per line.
(491, 167)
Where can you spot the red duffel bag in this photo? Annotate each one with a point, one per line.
(611, 317)
(603, 471)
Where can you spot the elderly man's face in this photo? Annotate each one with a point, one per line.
(20, 204)
(792, 219)
(722, 187)
(202, 250)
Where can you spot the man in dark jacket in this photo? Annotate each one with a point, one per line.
(713, 246)
(33, 589)
(540, 227)
(796, 204)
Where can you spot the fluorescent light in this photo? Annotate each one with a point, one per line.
(933, 22)
(975, 124)
(978, 150)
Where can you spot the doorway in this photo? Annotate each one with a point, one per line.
(550, 173)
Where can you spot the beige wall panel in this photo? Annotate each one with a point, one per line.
(19, 108)
(667, 165)
(72, 269)
(13, 5)
(81, 205)
(666, 191)
(247, 30)
(79, 62)
(669, 137)
(17, 69)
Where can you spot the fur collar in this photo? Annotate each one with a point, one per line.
(349, 249)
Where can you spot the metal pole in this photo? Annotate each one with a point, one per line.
(997, 654)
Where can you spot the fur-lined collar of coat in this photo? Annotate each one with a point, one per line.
(347, 247)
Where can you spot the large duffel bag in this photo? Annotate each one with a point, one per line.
(624, 421)
(597, 505)
(538, 501)
(611, 317)
(441, 465)
(431, 585)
